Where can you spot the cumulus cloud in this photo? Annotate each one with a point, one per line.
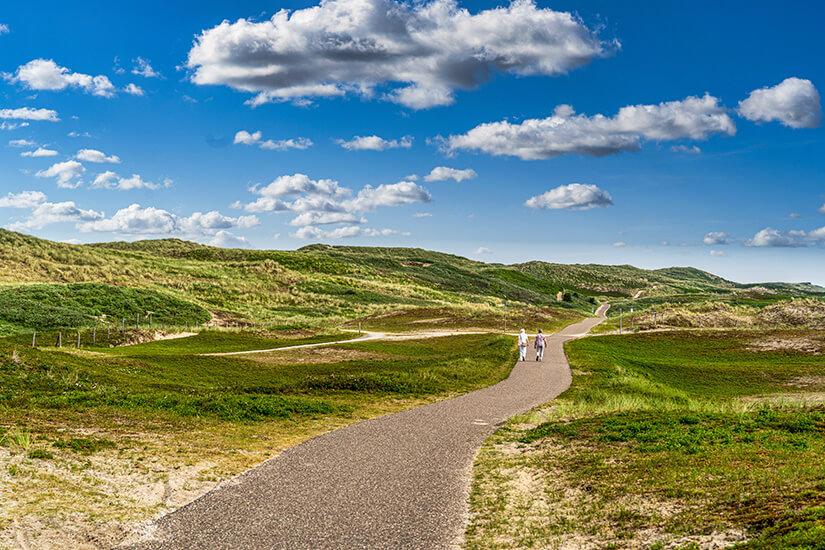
(770, 237)
(39, 152)
(441, 173)
(255, 138)
(422, 215)
(225, 239)
(717, 253)
(45, 74)
(794, 102)
(325, 202)
(374, 143)
(27, 113)
(43, 212)
(568, 133)
(395, 194)
(12, 125)
(620, 244)
(143, 68)
(716, 237)
(24, 199)
(327, 218)
(134, 89)
(415, 54)
(110, 180)
(137, 220)
(483, 250)
(315, 233)
(67, 173)
(4, 29)
(575, 196)
(93, 155)
(821, 210)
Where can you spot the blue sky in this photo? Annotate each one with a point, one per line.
(648, 133)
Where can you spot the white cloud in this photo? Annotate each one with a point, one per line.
(137, 220)
(27, 113)
(619, 244)
(39, 152)
(693, 150)
(21, 143)
(45, 74)
(422, 215)
(441, 173)
(483, 250)
(416, 53)
(93, 155)
(285, 144)
(24, 199)
(567, 133)
(12, 125)
(394, 194)
(315, 233)
(4, 29)
(246, 138)
(794, 102)
(717, 253)
(575, 196)
(325, 202)
(225, 239)
(144, 69)
(374, 143)
(45, 213)
(770, 237)
(110, 180)
(821, 210)
(716, 237)
(79, 134)
(134, 89)
(65, 172)
(327, 218)
(255, 138)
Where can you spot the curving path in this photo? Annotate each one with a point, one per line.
(398, 481)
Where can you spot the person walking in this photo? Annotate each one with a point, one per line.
(539, 344)
(523, 340)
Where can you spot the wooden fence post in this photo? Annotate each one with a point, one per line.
(78, 339)
(60, 339)
(34, 339)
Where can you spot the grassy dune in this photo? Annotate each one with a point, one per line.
(666, 440)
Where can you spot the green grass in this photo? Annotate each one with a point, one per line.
(44, 307)
(666, 437)
(221, 341)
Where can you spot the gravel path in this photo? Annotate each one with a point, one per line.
(398, 481)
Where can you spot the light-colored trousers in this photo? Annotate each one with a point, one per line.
(523, 351)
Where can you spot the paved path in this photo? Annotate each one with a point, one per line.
(398, 481)
(367, 335)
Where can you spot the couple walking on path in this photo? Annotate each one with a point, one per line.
(539, 342)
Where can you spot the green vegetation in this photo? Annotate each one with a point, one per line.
(320, 286)
(112, 435)
(49, 306)
(666, 439)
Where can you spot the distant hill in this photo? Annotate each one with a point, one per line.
(320, 283)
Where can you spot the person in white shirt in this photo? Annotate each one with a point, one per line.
(523, 340)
